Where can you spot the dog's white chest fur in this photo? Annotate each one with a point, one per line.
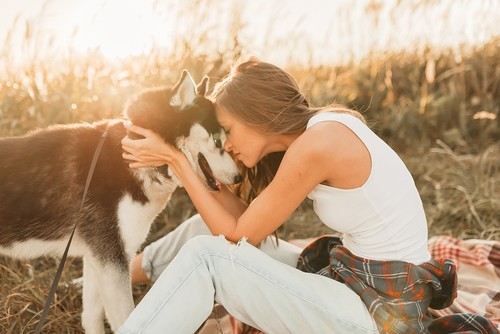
(135, 218)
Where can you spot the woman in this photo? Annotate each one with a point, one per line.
(359, 186)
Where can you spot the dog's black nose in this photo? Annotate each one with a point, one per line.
(238, 178)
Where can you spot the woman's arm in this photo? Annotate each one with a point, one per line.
(322, 153)
(300, 171)
(235, 205)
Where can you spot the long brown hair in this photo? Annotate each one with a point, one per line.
(267, 98)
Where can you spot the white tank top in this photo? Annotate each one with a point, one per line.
(383, 219)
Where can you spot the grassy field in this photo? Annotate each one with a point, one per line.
(439, 111)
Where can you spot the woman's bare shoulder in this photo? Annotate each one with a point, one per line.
(328, 135)
(336, 152)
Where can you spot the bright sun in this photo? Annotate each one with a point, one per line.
(274, 30)
(117, 28)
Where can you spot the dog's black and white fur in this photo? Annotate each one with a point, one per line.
(42, 178)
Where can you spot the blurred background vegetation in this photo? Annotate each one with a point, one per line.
(435, 102)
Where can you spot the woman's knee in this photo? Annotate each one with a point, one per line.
(204, 244)
(196, 225)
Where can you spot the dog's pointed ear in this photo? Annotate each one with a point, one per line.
(184, 91)
(202, 88)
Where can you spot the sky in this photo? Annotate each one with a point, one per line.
(327, 30)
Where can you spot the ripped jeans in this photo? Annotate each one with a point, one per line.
(158, 255)
(252, 286)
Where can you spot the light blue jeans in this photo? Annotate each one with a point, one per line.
(158, 255)
(254, 287)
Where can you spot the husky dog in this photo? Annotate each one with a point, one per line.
(42, 178)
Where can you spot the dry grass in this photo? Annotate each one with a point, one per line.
(24, 288)
(461, 192)
(453, 156)
(440, 111)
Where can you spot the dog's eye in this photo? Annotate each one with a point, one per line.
(218, 142)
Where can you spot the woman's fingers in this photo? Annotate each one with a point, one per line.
(131, 157)
(137, 162)
(137, 129)
(136, 145)
(137, 165)
(128, 144)
(148, 151)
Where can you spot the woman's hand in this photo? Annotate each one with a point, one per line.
(151, 151)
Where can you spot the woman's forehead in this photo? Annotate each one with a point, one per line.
(223, 116)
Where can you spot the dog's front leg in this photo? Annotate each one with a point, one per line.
(93, 308)
(116, 293)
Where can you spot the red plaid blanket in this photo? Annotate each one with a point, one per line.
(478, 272)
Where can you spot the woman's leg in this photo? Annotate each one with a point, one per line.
(137, 273)
(157, 255)
(253, 287)
(282, 250)
(149, 264)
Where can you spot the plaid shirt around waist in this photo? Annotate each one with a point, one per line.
(396, 293)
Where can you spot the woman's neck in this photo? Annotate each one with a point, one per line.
(280, 143)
